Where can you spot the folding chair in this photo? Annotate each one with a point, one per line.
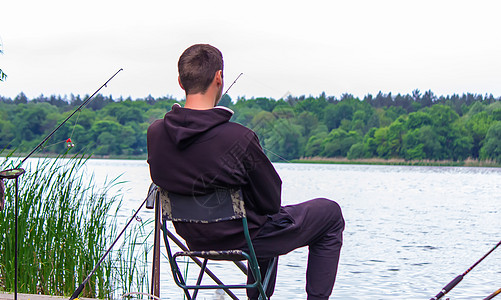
(222, 205)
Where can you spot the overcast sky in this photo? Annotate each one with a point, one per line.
(296, 47)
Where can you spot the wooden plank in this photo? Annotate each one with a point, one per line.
(10, 296)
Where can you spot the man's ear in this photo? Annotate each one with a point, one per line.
(180, 84)
(219, 77)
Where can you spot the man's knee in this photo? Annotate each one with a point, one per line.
(330, 210)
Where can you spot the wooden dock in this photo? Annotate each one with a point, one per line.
(10, 296)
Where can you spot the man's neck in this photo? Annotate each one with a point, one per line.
(199, 101)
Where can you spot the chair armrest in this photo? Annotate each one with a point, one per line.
(152, 195)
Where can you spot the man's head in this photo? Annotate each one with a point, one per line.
(198, 66)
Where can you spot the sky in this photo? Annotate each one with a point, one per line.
(282, 47)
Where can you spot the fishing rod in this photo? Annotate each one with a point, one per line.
(80, 288)
(65, 120)
(458, 279)
(18, 171)
(231, 85)
(493, 295)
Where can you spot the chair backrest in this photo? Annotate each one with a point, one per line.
(221, 205)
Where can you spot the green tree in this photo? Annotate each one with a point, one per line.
(430, 140)
(390, 139)
(225, 101)
(370, 143)
(314, 146)
(443, 120)
(285, 140)
(477, 126)
(356, 151)
(105, 136)
(244, 115)
(7, 131)
(283, 111)
(412, 147)
(492, 144)
(308, 122)
(334, 114)
(339, 142)
(262, 124)
(418, 119)
(21, 99)
(313, 105)
(29, 120)
(359, 121)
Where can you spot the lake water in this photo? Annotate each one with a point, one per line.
(409, 230)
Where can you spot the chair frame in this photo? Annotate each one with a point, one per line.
(165, 200)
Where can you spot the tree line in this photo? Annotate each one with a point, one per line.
(414, 126)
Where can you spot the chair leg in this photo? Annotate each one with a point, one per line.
(168, 235)
(256, 273)
(177, 273)
(262, 293)
(200, 276)
(155, 282)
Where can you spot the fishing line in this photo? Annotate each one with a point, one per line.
(282, 158)
(76, 122)
(68, 141)
(274, 90)
(66, 120)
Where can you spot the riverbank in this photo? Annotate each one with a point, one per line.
(398, 162)
(329, 160)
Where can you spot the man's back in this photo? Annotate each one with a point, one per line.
(197, 151)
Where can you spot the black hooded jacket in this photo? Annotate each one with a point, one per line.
(197, 151)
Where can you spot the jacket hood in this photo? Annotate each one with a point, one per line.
(184, 126)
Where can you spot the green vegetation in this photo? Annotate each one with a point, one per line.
(3, 76)
(65, 226)
(414, 127)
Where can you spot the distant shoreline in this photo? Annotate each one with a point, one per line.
(398, 162)
(328, 160)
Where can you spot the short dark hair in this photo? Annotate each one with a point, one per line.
(197, 66)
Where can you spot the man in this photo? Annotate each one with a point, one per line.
(195, 150)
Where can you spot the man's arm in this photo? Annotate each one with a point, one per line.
(264, 186)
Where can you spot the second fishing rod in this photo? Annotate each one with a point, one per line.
(16, 172)
(458, 279)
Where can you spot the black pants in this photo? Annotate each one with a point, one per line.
(318, 224)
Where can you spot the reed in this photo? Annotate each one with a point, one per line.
(65, 225)
(130, 261)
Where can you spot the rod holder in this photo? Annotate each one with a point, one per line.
(13, 174)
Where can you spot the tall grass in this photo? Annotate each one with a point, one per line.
(65, 225)
(130, 260)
